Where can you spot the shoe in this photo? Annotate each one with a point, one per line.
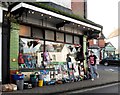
(92, 79)
(97, 76)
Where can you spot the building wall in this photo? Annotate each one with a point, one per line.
(90, 42)
(64, 3)
(78, 7)
(1, 14)
(101, 43)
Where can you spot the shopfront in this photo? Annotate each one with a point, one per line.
(35, 43)
(41, 40)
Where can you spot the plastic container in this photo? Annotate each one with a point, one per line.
(18, 76)
(20, 84)
(40, 83)
(34, 80)
(40, 77)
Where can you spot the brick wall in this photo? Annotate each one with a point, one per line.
(101, 43)
(78, 8)
(90, 42)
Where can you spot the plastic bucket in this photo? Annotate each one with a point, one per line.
(40, 83)
(18, 76)
(40, 77)
(20, 84)
(34, 84)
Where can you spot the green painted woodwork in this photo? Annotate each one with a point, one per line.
(14, 45)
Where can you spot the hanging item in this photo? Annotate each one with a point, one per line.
(29, 43)
(47, 58)
(21, 61)
(76, 48)
(71, 48)
(35, 43)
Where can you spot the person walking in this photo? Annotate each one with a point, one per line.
(70, 68)
(92, 65)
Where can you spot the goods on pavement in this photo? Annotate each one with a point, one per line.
(9, 87)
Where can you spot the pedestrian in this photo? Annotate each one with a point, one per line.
(79, 57)
(70, 68)
(92, 65)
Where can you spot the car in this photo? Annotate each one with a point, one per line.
(110, 61)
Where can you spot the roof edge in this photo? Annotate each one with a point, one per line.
(74, 16)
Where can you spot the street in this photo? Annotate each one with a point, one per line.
(108, 89)
(111, 88)
(108, 68)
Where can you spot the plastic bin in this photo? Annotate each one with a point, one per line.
(20, 84)
(40, 77)
(34, 80)
(18, 76)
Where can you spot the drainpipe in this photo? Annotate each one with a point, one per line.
(85, 9)
(5, 50)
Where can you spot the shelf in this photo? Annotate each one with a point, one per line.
(34, 69)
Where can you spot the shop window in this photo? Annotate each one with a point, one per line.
(58, 51)
(31, 50)
(76, 40)
(60, 37)
(69, 38)
(37, 33)
(49, 35)
(25, 31)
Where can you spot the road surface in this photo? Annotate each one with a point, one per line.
(108, 68)
(111, 88)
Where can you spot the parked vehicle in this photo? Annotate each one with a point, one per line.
(110, 61)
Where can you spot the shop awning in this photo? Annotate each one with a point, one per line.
(53, 14)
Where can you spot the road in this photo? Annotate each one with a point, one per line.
(108, 68)
(111, 88)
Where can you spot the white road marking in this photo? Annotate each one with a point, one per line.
(89, 89)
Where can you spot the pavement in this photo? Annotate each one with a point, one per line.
(106, 77)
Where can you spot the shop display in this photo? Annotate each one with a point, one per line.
(27, 86)
(19, 79)
(9, 87)
(65, 60)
